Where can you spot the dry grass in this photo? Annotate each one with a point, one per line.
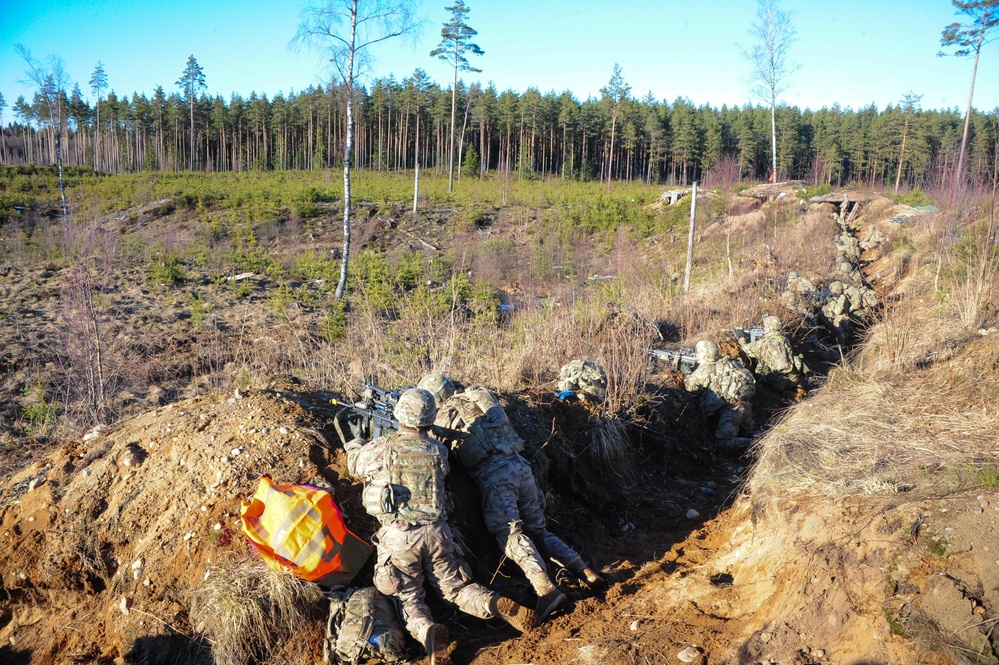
(252, 613)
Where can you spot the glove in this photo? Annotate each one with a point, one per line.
(356, 425)
(565, 394)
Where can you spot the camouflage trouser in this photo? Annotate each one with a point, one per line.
(734, 418)
(408, 553)
(514, 510)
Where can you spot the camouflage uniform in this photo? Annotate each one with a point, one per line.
(777, 364)
(836, 312)
(585, 378)
(725, 387)
(415, 541)
(513, 505)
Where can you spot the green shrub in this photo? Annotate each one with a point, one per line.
(916, 197)
(166, 271)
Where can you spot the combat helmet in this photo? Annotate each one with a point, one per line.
(438, 385)
(773, 323)
(587, 379)
(415, 408)
(707, 351)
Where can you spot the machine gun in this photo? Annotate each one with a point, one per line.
(750, 335)
(374, 409)
(683, 360)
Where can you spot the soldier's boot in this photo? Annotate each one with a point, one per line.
(736, 444)
(549, 600)
(522, 618)
(436, 644)
(593, 580)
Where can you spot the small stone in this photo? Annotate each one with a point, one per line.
(188, 536)
(237, 393)
(231, 400)
(125, 605)
(217, 527)
(235, 452)
(33, 484)
(692, 515)
(146, 582)
(31, 519)
(136, 574)
(137, 564)
(87, 472)
(689, 655)
(979, 510)
(634, 625)
(283, 431)
(225, 459)
(204, 509)
(819, 653)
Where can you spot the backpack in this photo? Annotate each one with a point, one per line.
(477, 413)
(736, 383)
(363, 624)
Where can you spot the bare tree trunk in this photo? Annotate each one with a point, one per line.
(347, 155)
(959, 173)
(416, 178)
(901, 155)
(690, 239)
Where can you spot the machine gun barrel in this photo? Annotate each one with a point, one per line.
(683, 360)
(750, 334)
(375, 408)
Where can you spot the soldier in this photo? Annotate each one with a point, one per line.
(587, 380)
(512, 503)
(404, 489)
(725, 387)
(777, 364)
(836, 312)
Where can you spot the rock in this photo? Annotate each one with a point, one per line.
(125, 605)
(634, 625)
(691, 654)
(692, 514)
(283, 431)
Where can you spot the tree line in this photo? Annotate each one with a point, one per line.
(521, 134)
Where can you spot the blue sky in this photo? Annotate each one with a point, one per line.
(851, 52)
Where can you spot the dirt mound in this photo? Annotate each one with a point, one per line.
(104, 541)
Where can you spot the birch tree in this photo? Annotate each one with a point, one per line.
(970, 38)
(452, 49)
(774, 34)
(345, 30)
(51, 81)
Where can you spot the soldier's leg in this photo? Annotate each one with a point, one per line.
(729, 419)
(447, 569)
(532, 511)
(399, 573)
(502, 486)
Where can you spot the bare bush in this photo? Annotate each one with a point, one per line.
(251, 612)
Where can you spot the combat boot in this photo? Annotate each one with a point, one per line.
(522, 618)
(549, 602)
(737, 444)
(592, 579)
(436, 643)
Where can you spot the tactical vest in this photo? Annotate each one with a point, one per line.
(362, 625)
(410, 486)
(735, 382)
(478, 414)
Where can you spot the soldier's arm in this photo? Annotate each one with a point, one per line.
(361, 456)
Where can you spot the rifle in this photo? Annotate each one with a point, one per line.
(750, 335)
(374, 408)
(684, 360)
